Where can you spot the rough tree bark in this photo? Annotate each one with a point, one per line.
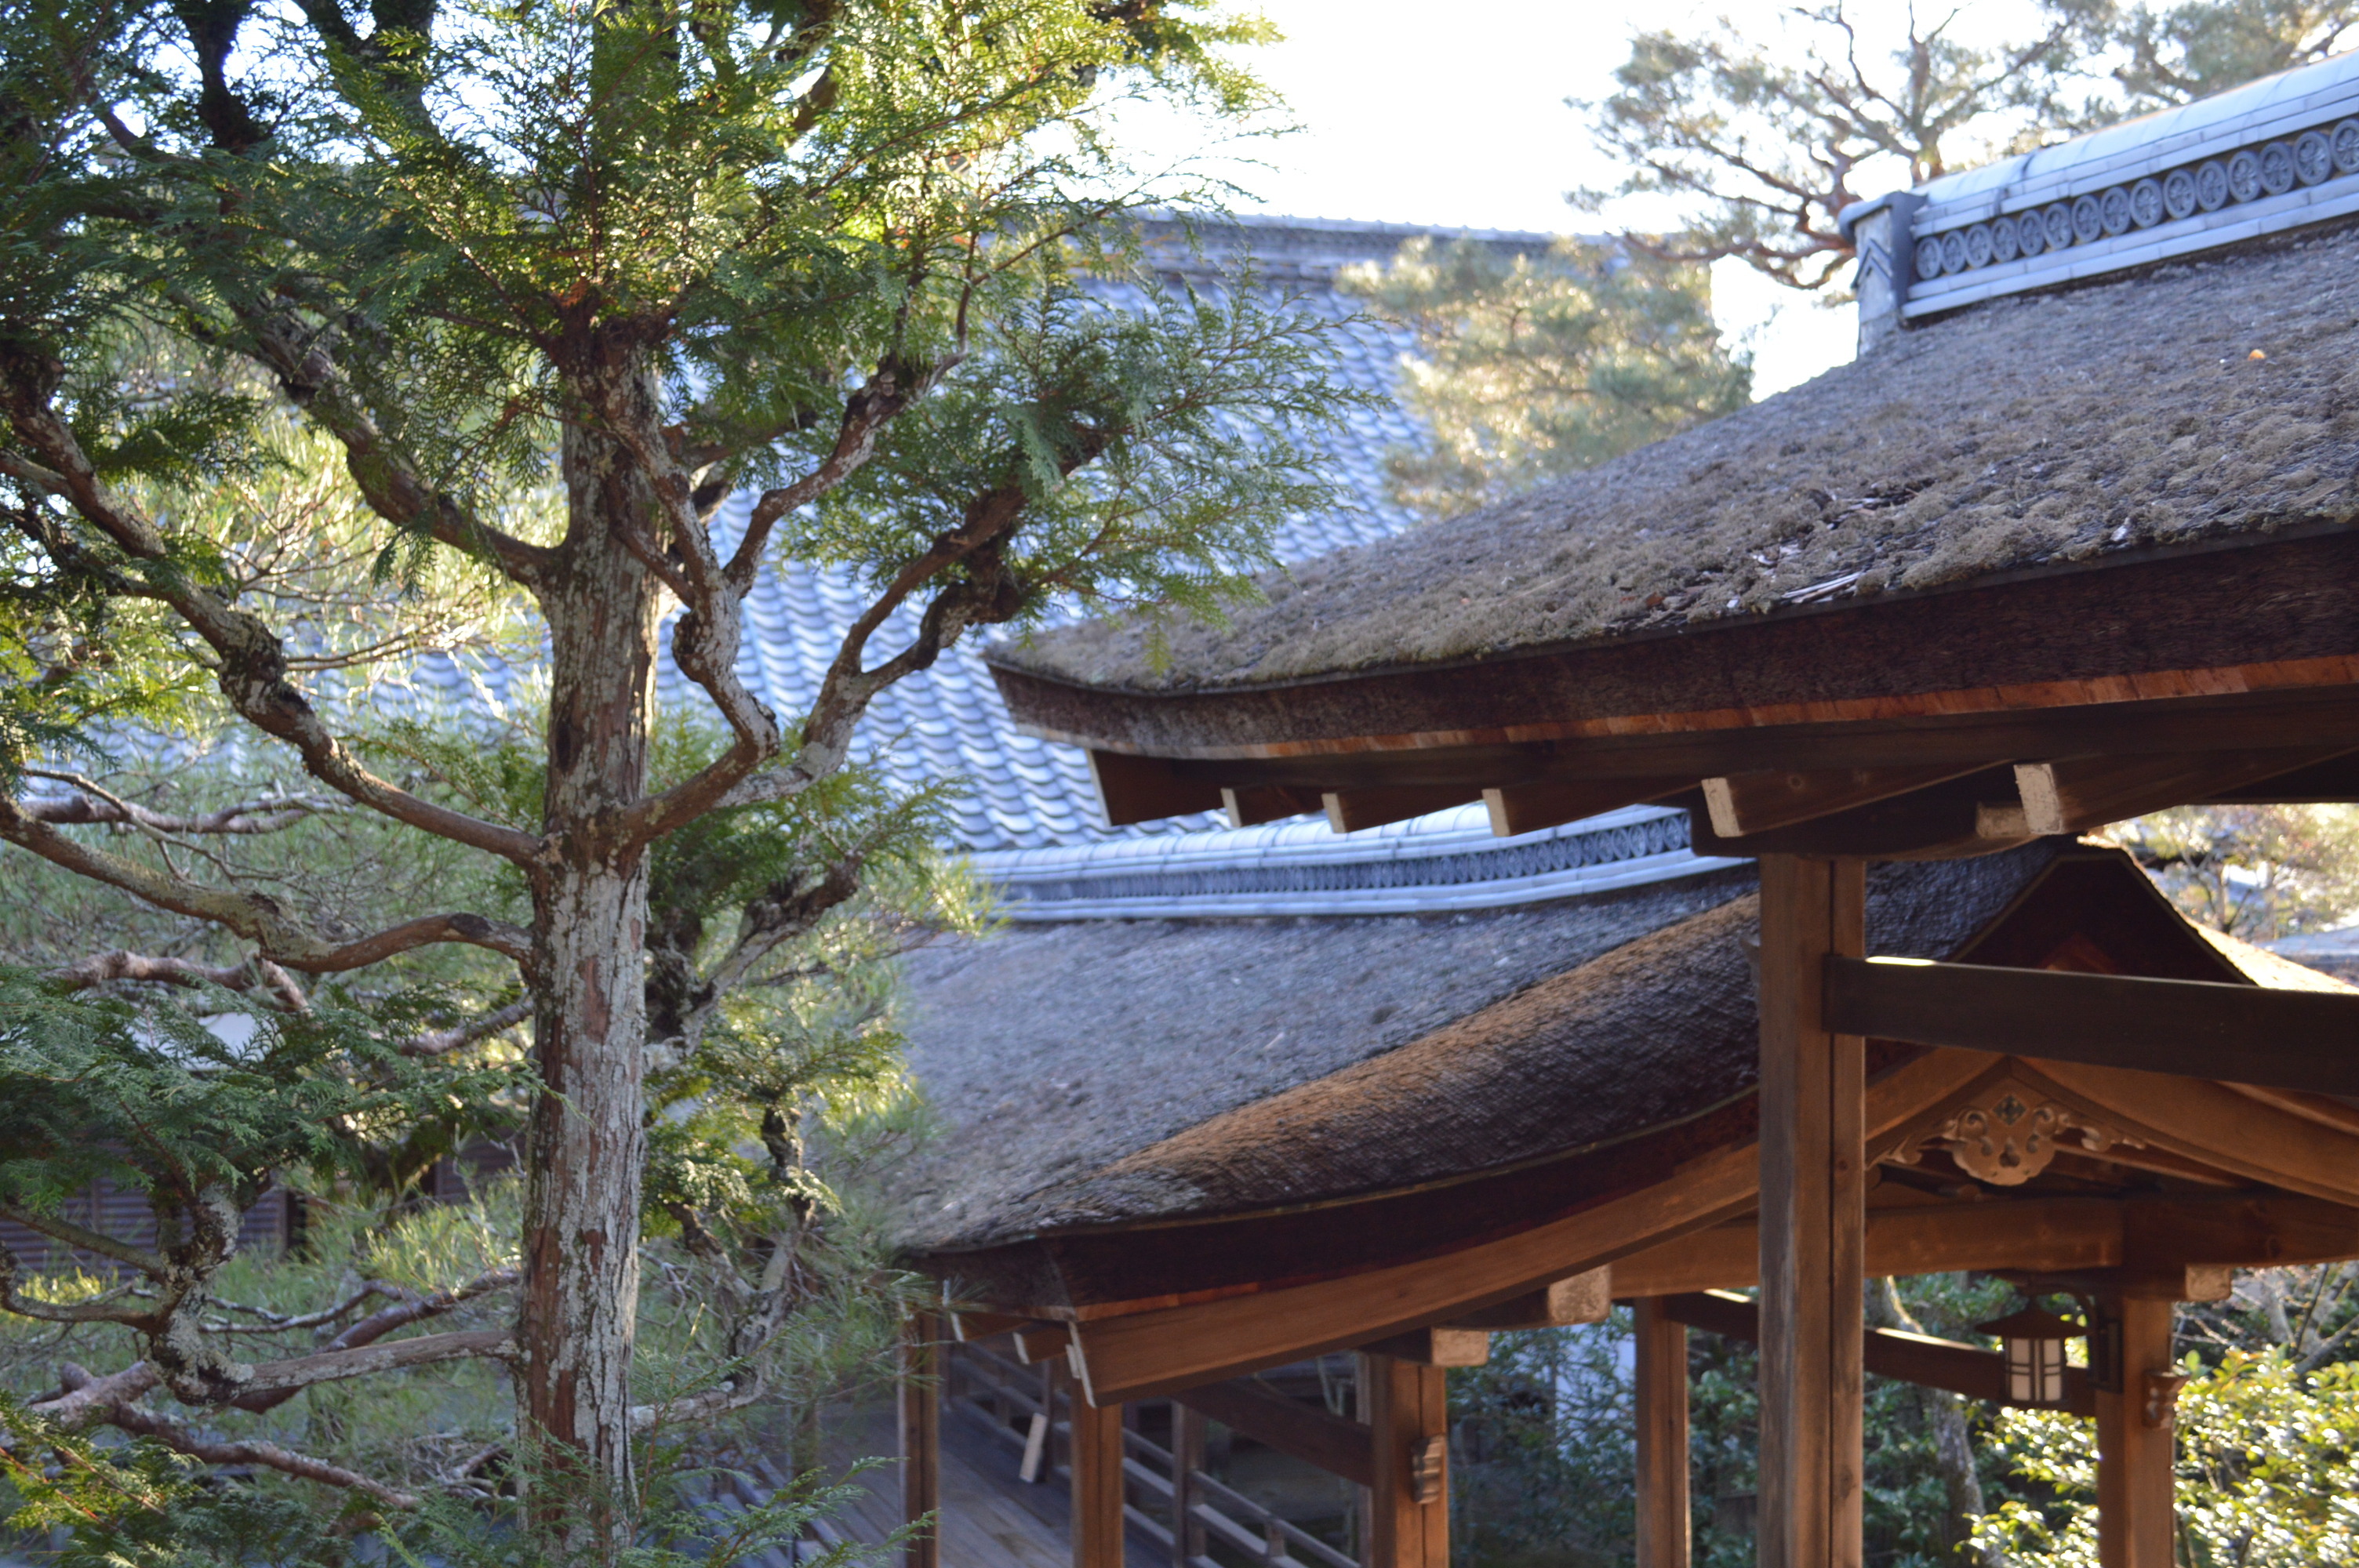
(588, 1146)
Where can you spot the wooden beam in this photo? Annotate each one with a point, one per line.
(921, 1425)
(2136, 1524)
(2146, 1282)
(2335, 781)
(1919, 1358)
(1348, 811)
(1813, 1220)
(1435, 1347)
(1661, 1400)
(1585, 1297)
(2202, 1029)
(1095, 1438)
(2248, 1230)
(1141, 1355)
(2214, 1124)
(1743, 804)
(1407, 1412)
(1142, 1351)
(2051, 1233)
(2075, 794)
(1528, 807)
(1145, 789)
(1335, 1443)
(1249, 805)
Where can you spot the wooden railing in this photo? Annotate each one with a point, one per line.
(1185, 1510)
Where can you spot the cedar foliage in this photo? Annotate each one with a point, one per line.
(333, 337)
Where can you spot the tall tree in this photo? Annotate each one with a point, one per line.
(1759, 144)
(1529, 367)
(638, 255)
(2184, 52)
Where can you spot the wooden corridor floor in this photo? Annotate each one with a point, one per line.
(989, 1518)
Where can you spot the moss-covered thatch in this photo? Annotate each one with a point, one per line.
(2171, 409)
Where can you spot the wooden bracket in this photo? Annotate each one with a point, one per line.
(2075, 795)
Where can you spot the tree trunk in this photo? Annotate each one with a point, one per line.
(1945, 1417)
(587, 1147)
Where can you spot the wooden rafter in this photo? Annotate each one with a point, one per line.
(2078, 795)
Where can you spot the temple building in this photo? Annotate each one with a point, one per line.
(2070, 542)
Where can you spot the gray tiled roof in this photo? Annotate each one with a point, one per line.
(1027, 808)
(1019, 793)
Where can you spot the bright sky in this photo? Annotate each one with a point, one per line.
(1455, 114)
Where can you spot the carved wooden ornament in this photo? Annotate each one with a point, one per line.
(2007, 1135)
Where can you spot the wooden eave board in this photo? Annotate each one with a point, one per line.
(2268, 629)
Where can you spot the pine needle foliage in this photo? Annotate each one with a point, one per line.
(1531, 367)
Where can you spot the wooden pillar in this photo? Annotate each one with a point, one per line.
(1662, 1397)
(1096, 1449)
(921, 1435)
(1187, 1458)
(2136, 1436)
(1406, 1408)
(1813, 1220)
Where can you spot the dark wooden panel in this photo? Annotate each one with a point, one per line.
(1528, 807)
(2236, 1033)
(1348, 811)
(1336, 1445)
(1143, 789)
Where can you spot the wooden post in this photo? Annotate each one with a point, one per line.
(1662, 1396)
(1406, 1408)
(1096, 1444)
(921, 1435)
(1813, 1220)
(1187, 1458)
(2136, 1437)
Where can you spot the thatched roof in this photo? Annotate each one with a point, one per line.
(1110, 1075)
(2195, 405)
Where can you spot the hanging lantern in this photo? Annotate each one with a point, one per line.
(2032, 1342)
